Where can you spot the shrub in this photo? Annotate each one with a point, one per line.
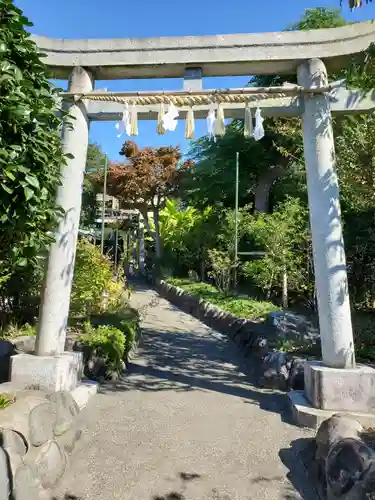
(108, 342)
(93, 275)
(239, 306)
(13, 330)
(126, 320)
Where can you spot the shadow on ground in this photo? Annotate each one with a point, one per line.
(182, 357)
(182, 361)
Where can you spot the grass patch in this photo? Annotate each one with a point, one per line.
(13, 331)
(239, 306)
(6, 400)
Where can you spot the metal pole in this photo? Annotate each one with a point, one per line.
(236, 218)
(104, 199)
(116, 248)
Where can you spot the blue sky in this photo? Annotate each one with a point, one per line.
(146, 18)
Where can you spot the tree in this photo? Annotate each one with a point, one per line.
(30, 156)
(187, 235)
(354, 4)
(150, 176)
(95, 157)
(262, 163)
(95, 162)
(283, 235)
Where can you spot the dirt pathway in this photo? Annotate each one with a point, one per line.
(186, 424)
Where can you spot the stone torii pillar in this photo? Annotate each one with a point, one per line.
(325, 219)
(50, 368)
(336, 383)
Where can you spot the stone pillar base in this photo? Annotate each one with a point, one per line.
(334, 389)
(47, 373)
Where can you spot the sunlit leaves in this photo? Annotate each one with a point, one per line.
(30, 147)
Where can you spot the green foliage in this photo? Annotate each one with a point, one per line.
(355, 151)
(125, 319)
(319, 18)
(6, 400)
(109, 342)
(187, 234)
(283, 235)
(13, 331)
(95, 162)
(242, 307)
(93, 276)
(222, 266)
(30, 148)
(30, 161)
(95, 158)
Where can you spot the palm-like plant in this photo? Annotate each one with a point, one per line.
(354, 4)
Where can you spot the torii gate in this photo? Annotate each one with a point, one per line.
(308, 53)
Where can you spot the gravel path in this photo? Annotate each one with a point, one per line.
(186, 424)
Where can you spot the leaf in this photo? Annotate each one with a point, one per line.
(29, 193)
(7, 188)
(10, 175)
(33, 181)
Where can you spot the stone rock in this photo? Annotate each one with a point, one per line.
(275, 371)
(7, 350)
(258, 348)
(350, 470)
(4, 476)
(94, 366)
(13, 442)
(50, 464)
(339, 426)
(25, 485)
(42, 421)
(66, 410)
(296, 381)
(25, 343)
(292, 326)
(69, 440)
(232, 324)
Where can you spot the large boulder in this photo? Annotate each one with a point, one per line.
(333, 429)
(350, 470)
(292, 326)
(296, 380)
(345, 464)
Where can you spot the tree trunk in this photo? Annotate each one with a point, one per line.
(202, 270)
(285, 290)
(158, 246)
(263, 189)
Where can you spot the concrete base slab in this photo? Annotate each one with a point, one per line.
(84, 392)
(306, 415)
(46, 373)
(340, 389)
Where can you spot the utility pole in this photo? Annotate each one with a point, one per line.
(236, 218)
(104, 200)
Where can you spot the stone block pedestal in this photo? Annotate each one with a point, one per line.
(333, 389)
(47, 373)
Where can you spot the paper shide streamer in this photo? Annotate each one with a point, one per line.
(190, 124)
(215, 120)
(129, 122)
(258, 132)
(170, 118)
(210, 120)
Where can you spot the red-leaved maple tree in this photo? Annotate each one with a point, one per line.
(145, 181)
